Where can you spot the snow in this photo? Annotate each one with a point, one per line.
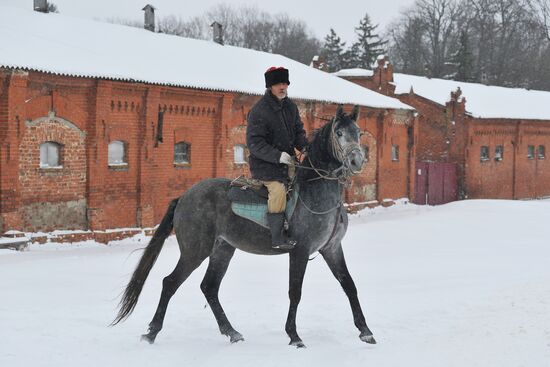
(463, 284)
(482, 101)
(55, 43)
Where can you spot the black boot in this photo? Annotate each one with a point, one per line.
(278, 240)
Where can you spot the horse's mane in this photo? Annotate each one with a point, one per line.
(318, 151)
(318, 145)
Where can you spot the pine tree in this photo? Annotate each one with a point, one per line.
(352, 57)
(52, 8)
(369, 45)
(333, 51)
(463, 59)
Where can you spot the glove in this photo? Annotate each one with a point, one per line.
(286, 159)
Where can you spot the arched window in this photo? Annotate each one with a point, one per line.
(117, 153)
(239, 154)
(182, 153)
(366, 152)
(50, 155)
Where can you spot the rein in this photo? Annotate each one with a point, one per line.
(343, 173)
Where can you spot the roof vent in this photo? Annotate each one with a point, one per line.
(217, 30)
(149, 22)
(41, 6)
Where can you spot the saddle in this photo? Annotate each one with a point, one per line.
(248, 198)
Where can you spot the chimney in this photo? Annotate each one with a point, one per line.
(217, 30)
(318, 62)
(149, 22)
(41, 6)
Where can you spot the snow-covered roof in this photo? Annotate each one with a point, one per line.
(482, 101)
(354, 72)
(55, 43)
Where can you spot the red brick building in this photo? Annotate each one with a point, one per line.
(496, 137)
(95, 136)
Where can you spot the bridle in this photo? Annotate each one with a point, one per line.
(342, 173)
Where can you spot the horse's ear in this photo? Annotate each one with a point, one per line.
(355, 113)
(339, 111)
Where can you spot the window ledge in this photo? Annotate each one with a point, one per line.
(182, 165)
(52, 168)
(118, 166)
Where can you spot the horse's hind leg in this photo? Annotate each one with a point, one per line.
(170, 284)
(210, 286)
(334, 257)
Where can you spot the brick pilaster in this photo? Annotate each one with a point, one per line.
(96, 146)
(13, 85)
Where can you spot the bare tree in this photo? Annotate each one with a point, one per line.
(407, 49)
(541, 9)
(440, 21)
(246, 27)
(499, 42)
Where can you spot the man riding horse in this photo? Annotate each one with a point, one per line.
(274, 131)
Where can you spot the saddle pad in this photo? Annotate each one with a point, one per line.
(244, 194)
(258, 212)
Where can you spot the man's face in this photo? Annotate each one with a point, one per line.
(279, 90)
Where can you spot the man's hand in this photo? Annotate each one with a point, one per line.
(286, 159)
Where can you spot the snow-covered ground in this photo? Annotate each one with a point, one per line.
(464, 284)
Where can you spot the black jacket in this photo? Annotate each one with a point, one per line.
(273, 127)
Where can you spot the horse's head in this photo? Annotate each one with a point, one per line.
(345, 140)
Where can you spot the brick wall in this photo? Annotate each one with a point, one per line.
(86, 115)
(41, 187)
(515, 176)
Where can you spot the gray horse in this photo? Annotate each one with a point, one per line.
(206, 227)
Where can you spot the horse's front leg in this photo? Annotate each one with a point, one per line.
(334, 256)
(298, 264)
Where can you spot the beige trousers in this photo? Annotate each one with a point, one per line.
(276, 202)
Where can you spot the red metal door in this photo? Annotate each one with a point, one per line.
(421, 183)
(436, 183)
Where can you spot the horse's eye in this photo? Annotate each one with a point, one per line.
(339, 133)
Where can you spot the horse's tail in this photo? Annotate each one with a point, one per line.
(148, 259)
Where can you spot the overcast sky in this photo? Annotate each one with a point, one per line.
(320, 16)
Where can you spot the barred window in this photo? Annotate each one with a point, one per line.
(50, 155)
(395, 152)
(499, 152)
(239, 153)
(117, 153)
(541, 154)
(530, 152)
(484, 153)
(182, 152)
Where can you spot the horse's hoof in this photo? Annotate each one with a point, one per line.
(297, 344)
(236, 337)
(367, 338)
(148, 338)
